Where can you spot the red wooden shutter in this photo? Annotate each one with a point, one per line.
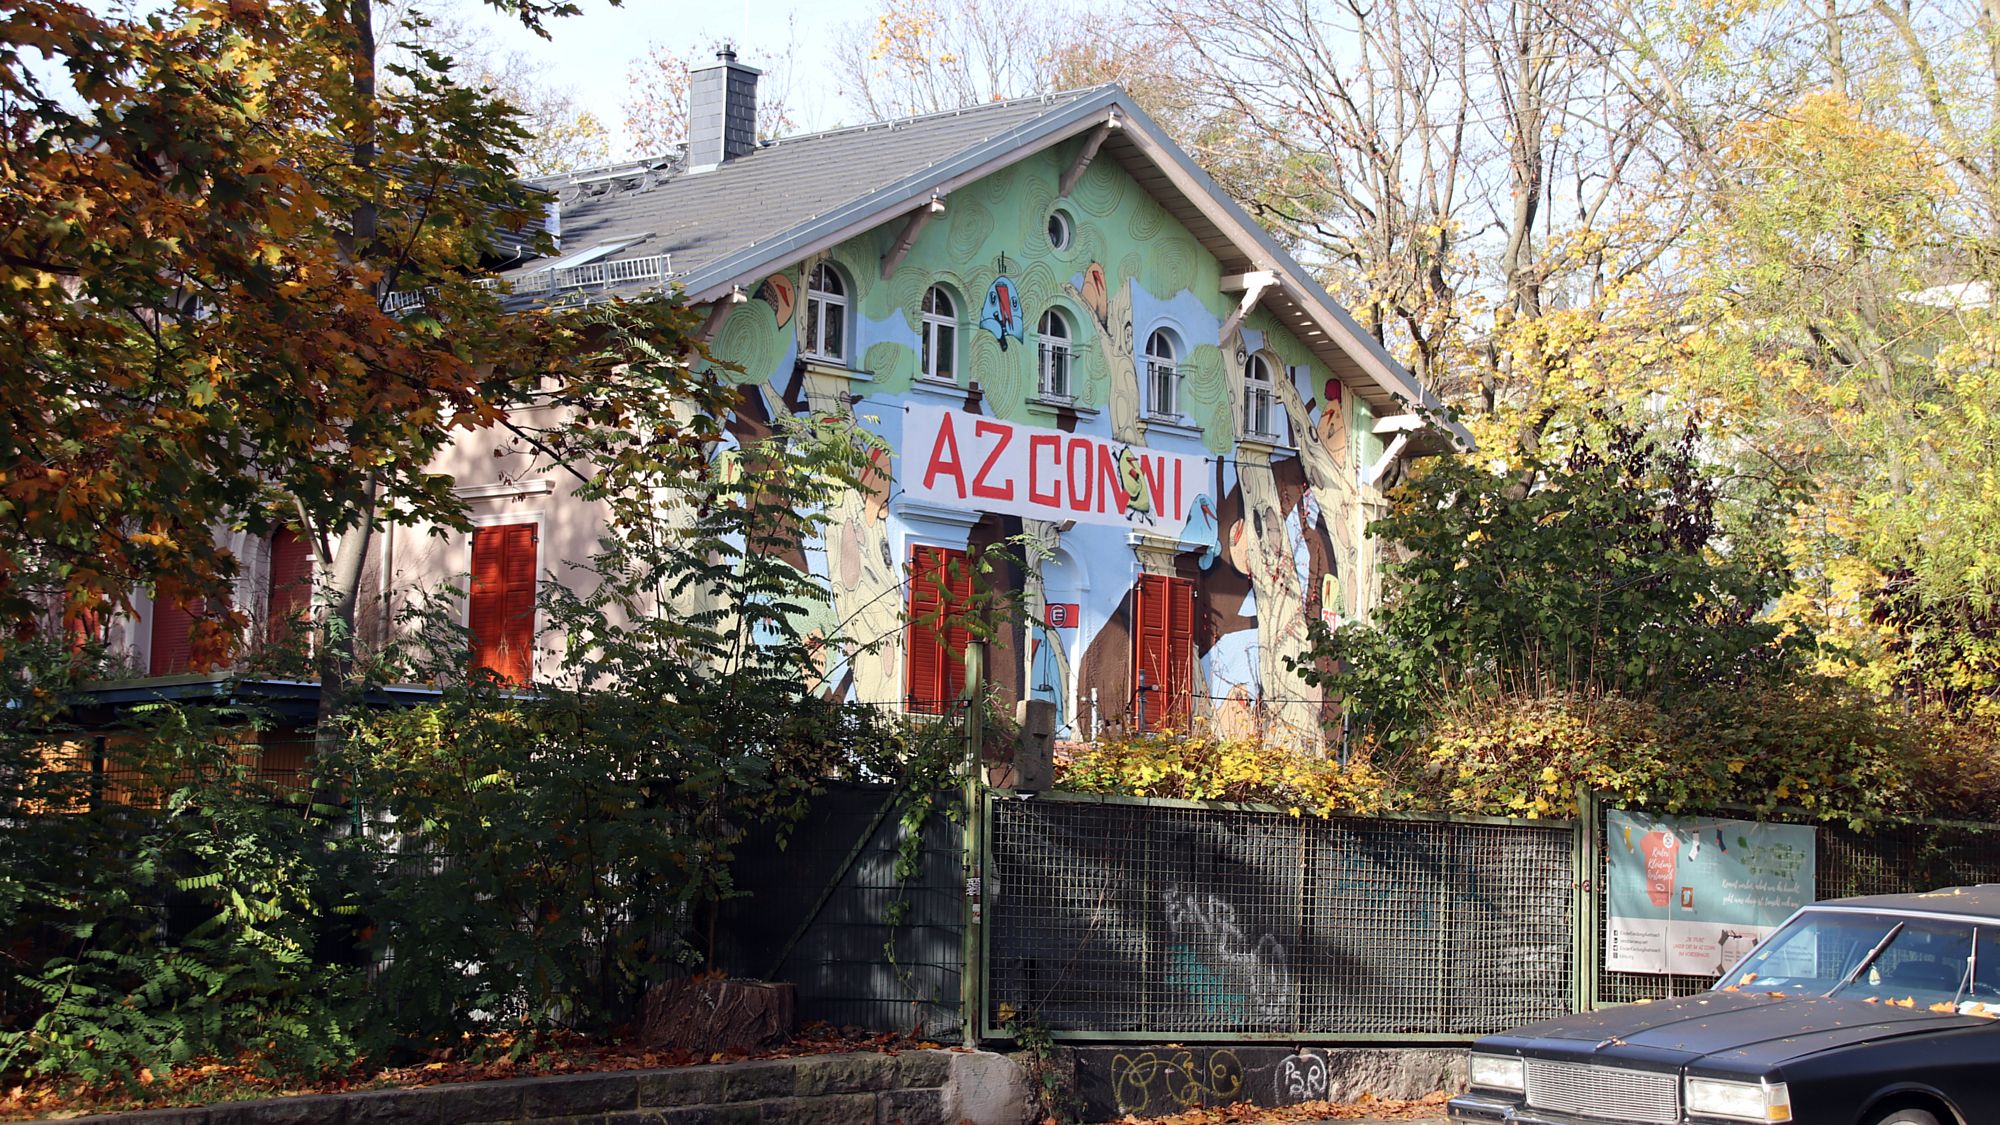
(1163, 649)
(291, 584)
(170, 654)
(936, 637)
(502, 614)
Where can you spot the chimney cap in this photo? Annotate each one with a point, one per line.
(725, 57)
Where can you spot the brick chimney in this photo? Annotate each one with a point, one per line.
(722, 111)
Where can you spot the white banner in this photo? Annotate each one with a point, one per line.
(964, 460)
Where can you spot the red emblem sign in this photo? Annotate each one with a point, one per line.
(1061, 615)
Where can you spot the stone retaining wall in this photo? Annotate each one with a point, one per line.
(911, 1088)
(1152, 1080)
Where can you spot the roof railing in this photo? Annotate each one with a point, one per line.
(589, 275)
(597, 275)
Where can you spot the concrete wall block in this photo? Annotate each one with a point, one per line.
(755, 1081)
(986, 1089)
(923, 1068)
(828, 1109)
(579, 1095)
(479, 1103)
(695, 1085)
(844, 1074)
(329, 1110)
(912, 1107)
(750, 1113)
(396, 1107)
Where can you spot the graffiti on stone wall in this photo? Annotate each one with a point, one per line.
(1167, 1081)
(1299, 1078)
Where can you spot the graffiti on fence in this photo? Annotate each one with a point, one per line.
(1232, 974)
(1299, 1078)
(1161, 1082)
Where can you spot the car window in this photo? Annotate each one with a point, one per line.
(1812, 953)
(1926, 963)
(1986, 975)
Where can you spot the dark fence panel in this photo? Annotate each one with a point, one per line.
(822, 912)
(1142, 917)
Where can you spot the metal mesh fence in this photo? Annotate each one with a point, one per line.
(1915, 857)
(1123, 916)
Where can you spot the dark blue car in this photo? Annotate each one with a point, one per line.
(1882, 1010)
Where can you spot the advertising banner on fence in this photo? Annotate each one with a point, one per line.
(1691, 895)
(968, 461)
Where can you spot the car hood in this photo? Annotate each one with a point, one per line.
(1735, 1030)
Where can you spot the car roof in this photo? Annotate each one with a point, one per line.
(1981, 901)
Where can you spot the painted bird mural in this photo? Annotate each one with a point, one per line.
(1002, 314)
(1202, 527)
(1138, 498)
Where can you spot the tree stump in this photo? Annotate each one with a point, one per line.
(706, 1014)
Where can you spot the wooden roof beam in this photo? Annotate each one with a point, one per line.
(1112, 124)
(913, 227)
(1380, 468)
(718, 311)
(1260, 284)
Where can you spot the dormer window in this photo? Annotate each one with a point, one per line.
(1258, 419)
(1163, 374)
(1052, 339)
(940, 323)
(826, 314)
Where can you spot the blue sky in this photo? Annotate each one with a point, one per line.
(590, 52)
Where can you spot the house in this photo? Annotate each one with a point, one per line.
(1041, 319)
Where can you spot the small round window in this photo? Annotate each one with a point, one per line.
(1060, 231)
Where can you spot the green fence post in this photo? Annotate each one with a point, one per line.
(972, 973)
(1589, 894)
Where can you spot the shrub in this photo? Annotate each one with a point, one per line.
(1200, 766)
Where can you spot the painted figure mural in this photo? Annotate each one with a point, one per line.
(1151, 531)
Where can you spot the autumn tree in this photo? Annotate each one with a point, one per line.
(560, 135)
(208, 235)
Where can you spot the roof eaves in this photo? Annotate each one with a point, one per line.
(753, 262)
(821, 231)
(1390, 375)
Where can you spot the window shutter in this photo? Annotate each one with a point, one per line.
(1163, 648)
(1180, 649)
(170, 655)
(936, 637)
(291, 583)
(502, 613)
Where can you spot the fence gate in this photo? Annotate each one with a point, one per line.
(1120, 917)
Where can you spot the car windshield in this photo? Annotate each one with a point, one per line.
(1916, 962)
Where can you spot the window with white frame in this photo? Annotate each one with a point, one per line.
(1259, 419)
(940, 322)
(1053, 356)
(1163, 374)
(826, 314)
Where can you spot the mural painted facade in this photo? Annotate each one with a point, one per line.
(1066, 382)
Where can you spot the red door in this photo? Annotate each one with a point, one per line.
(290, 599)
(1163, 650)
(935, 636)
(170, 654)
(502, 615)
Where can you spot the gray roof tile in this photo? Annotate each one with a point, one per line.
(701, 218)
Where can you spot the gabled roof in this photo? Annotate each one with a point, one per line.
(714, 231)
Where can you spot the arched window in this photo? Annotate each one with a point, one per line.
(826, 314)
(1163, 374)
(1258, 420)
(940, 323)
(1052, 338)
